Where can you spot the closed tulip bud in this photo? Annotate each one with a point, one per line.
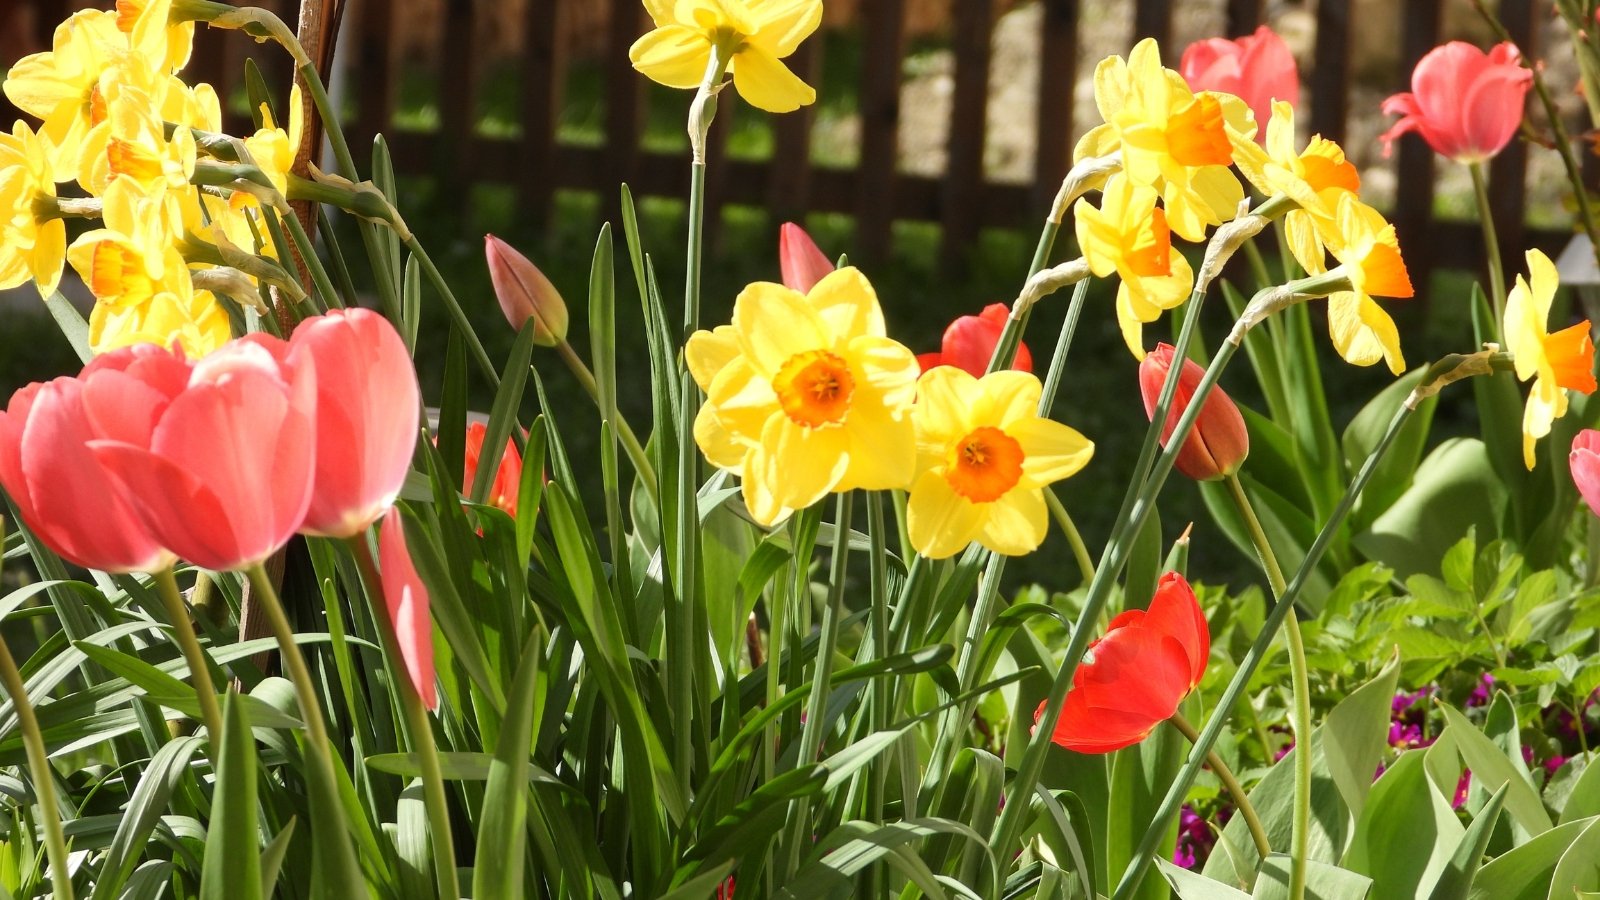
(799, 258)
(1218, 443)
(524, 293)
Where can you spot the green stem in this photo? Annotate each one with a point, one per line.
(44, 778)
(1241, 799)
(1080, 552)
(630, 441)
(1005, 349)
(1491, 243)
(199, 668)
(417, 724)
(955, 720)
(1300, 681)
(1258, 265)
(882, 690)
(313, 262)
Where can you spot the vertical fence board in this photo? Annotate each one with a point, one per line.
(544, 74)
(883, 22)
(1508, 172)
(789, 176)
(1243, 16)
(624, 102)
(728, 105)
(1330, 78)
(1058, 61)
(374, 71)
(963, 177)
(458, 106)
(1413, 208)
(1153, 19)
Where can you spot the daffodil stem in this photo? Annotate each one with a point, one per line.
(1080, 552)
(416, 719)
(313, 262)
(882, 690)
(1005, 348)
(1258, 265)
(1241, 799)
(199, 670)
(630, 441)
(1491, 242)
(1282, 609)
(1300, 684)
(44, 783)
(955, 721)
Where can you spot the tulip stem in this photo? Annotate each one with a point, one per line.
(1300, 681)
(421, 730)
(1241, 799)
(630, 441)
(1491, 243)
(44, 783)
(1080, 552)
(199, 669)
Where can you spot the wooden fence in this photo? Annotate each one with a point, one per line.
(874, 191)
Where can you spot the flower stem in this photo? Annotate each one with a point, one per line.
(1080, 552)
(1491, 243)
(882, 690)
(199, 669)
(630, 441)
(44, 784)
(1300, 681)
(1241, 799)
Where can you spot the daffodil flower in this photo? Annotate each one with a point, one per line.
(1128, 235)
(1314, 179)
(1369, 256)
(174, 313)
(805, 395)
(1556, 362)
(30, 247)
(985, 456)
(752, 36)
(273, 149)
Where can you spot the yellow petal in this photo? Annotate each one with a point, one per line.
(1546, 403)
(720, 447)
(1016, 523)
(1525, 328)
(883, 448)
(766, 83)
(803, 464)
(784, 23)
(1051, 451)
(708, 351)
(885, 370)
(48, 256)
(672, 55)
(1006, 397)
(773, 323)
(743, 400)
(945, 397)
(940, 522)
(661, 12)
(847, 304)
(1362, 332)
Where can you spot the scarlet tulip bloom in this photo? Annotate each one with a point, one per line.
(368, 407)
(407, 601)
(524, 293)
(507, 478)
(969, 343)
(1219, 442)
(218, 465)
(1465, 103)
(63, 494)
(1136, 675)
(1257, 68)
(799, 259)
(1585, 465)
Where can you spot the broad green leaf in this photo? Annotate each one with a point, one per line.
(1395, 472)
(1140, 776)
(161, 777)
(502, 826)
(1584, 801)
(1456, 879)
(1455, 489)
(272, 858)
(1194, 886)
(1579, 868)
(1406, 833)
(1323, 882)
(1144, 564)
(71, 323)
(1524, 873)
(857, 845)
(1491, 768)
(1355, 736)
(233, 862)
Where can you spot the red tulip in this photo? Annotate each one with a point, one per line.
(524, 293)
(507, 478)
(969, 343)
(218, 467)
(368, 407)
(801, 262)
(1257, 68)
(1137, 674)
(1219, 442)
(62, 492)
(407, 601)
(1465, 103)
(1585, 465)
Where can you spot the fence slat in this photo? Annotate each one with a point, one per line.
(963, 178)
(1153, 19)
(374, 47)
(728, 108)
(1330, 79)
(1243, 16)
(883, 22)
(544, 75)
(1058, 61)
(1508, 172)
(1413, 207)
(458, 95)
(788, 192)
(624, 102)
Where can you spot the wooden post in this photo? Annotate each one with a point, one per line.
(624, 105)
(1413, 208)
(1508, 172)
(1243, 16)
(1058, 69)
(884, 26)
(458, 106)
(963, 177)
(544, 80)
(1153, 19)
(1330, 79)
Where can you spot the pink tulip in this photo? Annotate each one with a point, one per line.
(1585, 465)
(64, 495)
(218, 467)
(1257, 68)
(507, 483)
(969, 343)
(368, 406)
(407, 600)
(524, 293)
(801, 262)
(1219, 442)
(1465, 103)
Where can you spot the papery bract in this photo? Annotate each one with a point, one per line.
(407, 602)
(525, 293)
(1218, 443)
(368, 410)
(1257, 68)
(969, 343)
(1137, 673)
(219, 467)
(1465, 103)
(800, 259)
(1584, 463)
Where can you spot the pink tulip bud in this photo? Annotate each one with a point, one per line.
(368, 407)
(407, 601)
(1585, 465)
(969, 343)
(801, 262)
(1257, 68)
(524, 293)
(1465, 103)
(218, 466)
(1218, 443)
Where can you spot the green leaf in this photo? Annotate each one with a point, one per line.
(1524, 873)
(503, 414)
(71, 323)
(272, 858)
(1144, 564)
(1491, 768)
(1140, 776)
(502, 826)
(1499, 407)
(1323, 881)
(161, 777)
(1407, 832)
(1579, 868)
(232, 869)
(1456, 879)
(1395, 472)
(1584, 801)
(1355, 736)
(1455, 489)
(860, 844)
(1194, 886)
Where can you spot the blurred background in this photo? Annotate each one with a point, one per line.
(941, 132)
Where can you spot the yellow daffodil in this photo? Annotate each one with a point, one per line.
(752, 35)
(175, 313)
(1171, 138)
(1128, 235)
(118, 270)
(273, 149)
(1315, 179)
(984, 456)
(1369, 256)
(805, 394)
(1556, 362)
(131, 142)
(30, 246)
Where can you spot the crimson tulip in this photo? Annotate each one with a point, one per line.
(368, 410)
(219, 466)
(1135, 675)
(1465, 103)
(407, 601)
(525, 293)
(1219, 442)
(799, 259)
(1585, 465)
(969, 343)
(507, 477)
(1257, 68)
(63, 494)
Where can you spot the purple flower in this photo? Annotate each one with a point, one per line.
(1195, 838)
(1461, 789)
(1480, 694)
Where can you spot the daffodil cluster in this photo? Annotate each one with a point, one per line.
(115, 117)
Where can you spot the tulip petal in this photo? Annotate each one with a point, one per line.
(407, 602)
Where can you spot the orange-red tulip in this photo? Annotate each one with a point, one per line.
(217, 467)
(407, 601)
(1585, 466)
(1219, 442)
(507, 478)
(799, 258)
(969, 343)
(368, 407)
(524, 293)
(63, 494)
(1135, 676)
(1465, 103)
(1257, 68)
